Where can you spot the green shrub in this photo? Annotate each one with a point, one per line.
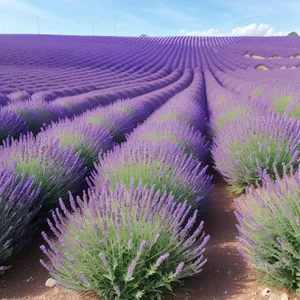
(269, 226)
(125, 244)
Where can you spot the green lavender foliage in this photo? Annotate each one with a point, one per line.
(269, 226)
(244, 148)
(125, 244)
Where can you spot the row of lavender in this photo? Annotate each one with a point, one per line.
(135, 234)
(256, 148)
(80, 63)
(31, 115)
(36, 171)
(42, 64)
(105, 63)
(277, 89)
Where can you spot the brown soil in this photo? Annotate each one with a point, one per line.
(225, 276)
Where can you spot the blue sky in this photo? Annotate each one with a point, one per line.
(155, 18)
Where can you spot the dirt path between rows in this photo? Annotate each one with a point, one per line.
(225, 276)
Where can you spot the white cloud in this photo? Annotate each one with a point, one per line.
(256, 30)
(209, 32)
(249, 30)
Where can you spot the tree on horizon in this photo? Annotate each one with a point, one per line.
(293, 33)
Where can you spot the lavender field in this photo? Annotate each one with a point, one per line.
(113, 153)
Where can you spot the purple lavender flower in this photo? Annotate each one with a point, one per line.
(83, 279)
(154, 240)
(117, 289)
(102, 256)
(131, 268)
(179, 269)
(161, 259)
(19, 205)
(130, 241)
(142, 248)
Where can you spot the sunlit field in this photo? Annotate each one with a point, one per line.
(149, 167)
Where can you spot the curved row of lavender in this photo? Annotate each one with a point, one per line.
(41, 64)
(254, 122)
(56, 161)
(135, 222)
(31, 115)
(81, 65)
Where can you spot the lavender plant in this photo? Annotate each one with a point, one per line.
(4, 100)
(192, 114)
(118, 124)
(87, 139)
(125, 243)
(11, 124)
(19, 204)
(295, 112)
(245, 147)
(230, 115)
(280, 103)
(36, 113)
(57, 170)
(19, 96)
(269, 230)
(161, 164)
(185, 136)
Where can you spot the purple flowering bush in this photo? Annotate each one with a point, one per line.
(19, 204)
(55, 169)
(87, 139)
(11, 124)
(185, 136)
(162, 164)
(232, 114)
(37, 113)
(246, 147)
(191, 113)
(19, 96)
(117, 123)
(4, 100)
(134, 243)
(269, 230)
